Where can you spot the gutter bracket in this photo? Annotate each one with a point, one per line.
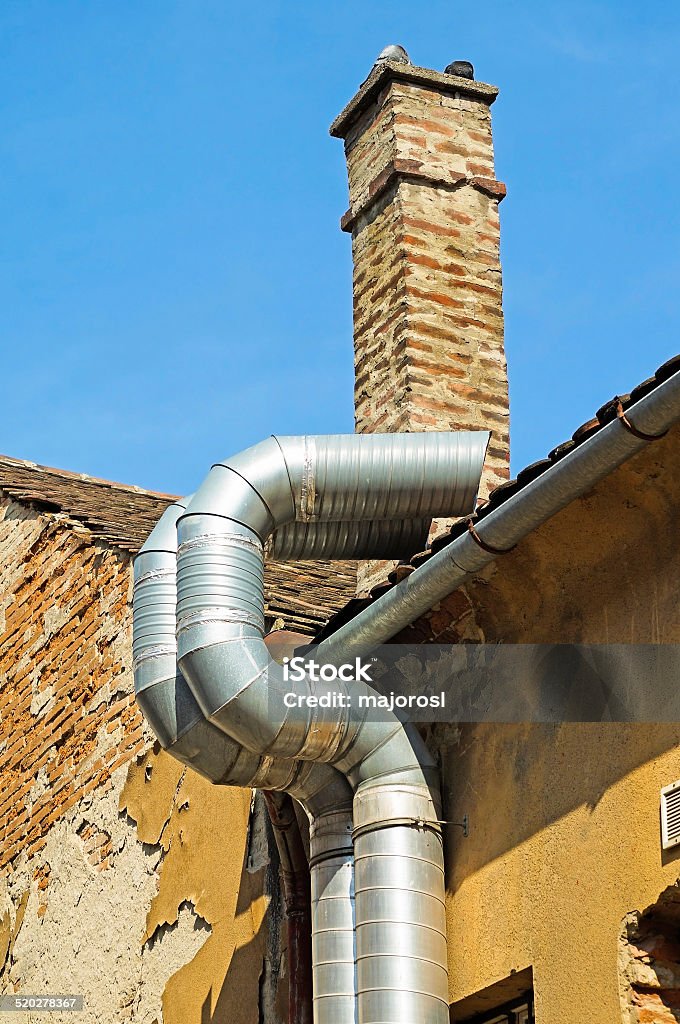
(625, 422)
(487, 547)
(464, 824)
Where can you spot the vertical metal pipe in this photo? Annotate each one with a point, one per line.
(400, 909)
(176, 718)
(327, 798)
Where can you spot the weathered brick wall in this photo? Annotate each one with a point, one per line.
(122, 876)
(428, 320)
(67, 715)
(649, 961)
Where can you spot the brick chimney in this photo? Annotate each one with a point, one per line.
(423, 215)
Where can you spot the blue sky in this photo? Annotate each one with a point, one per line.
(174, 284)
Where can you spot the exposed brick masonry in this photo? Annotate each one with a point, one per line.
(68, 718)
(428, 321)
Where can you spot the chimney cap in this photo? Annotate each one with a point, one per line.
(388, 70)
(460, 68)
(395, 53)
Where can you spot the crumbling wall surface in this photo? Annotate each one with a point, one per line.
(68, 718)
(86, 896)
(649, 961)
(223, 869)
(122, 878)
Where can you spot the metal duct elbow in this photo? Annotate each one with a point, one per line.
(220, 567)
(346, 478)
(183, 731)
(161, 691)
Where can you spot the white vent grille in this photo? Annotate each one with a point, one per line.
(670, 816)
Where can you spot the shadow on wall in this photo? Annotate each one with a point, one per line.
(602, 571)
(515, 780)
(253, 990)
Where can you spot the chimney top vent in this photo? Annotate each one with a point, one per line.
(393, 52)
(460, 68)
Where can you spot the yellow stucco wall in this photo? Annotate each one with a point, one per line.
(563, 844)
(564, 820)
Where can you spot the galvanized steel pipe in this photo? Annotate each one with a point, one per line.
(179, 724)
(222, 655)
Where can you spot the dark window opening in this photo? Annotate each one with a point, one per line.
(518, 1012)
(508, 1001)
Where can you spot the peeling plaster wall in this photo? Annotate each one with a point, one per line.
(224, 870)
(82, 932)
(68, 718)
(122, 878)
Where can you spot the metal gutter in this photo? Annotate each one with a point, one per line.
(500, 529)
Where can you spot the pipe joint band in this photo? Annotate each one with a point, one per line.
(228, 616)
(338, 852)
(211, 541)
(323, 740)
(156, 575)
(396, 804)
(308, 481)
(156, 651)
(421, 824)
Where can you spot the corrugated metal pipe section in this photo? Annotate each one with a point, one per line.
(321, 495)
